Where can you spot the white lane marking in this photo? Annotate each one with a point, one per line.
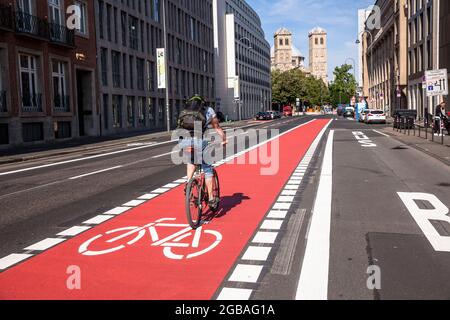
(148, 196)
(292, 186)
(246, 273)
(265, 237)
(45, 244)
(165, 154)
(12, 259)
(85, 158)
(282, 206)
(133, 203)
(74, 231)
(423, 217)
(288, 192)
(313, 283)
(234, 294)
(383, 134)
(257, 253)
(117, 211)
(98, 219)
(171, 185)
(271, 225)
(277, 214)
(180, 181)
(285, 199)
(160, 190)
(95, 172)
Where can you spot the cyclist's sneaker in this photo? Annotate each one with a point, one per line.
(214, 204)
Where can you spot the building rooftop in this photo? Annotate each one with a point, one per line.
(282, 31)
(318, 30)
(295, 52)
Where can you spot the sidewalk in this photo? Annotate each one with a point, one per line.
(434, 149)
(52, 149)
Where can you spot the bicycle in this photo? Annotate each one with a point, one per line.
(197, 196)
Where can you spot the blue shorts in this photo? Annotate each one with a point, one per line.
(200, 146)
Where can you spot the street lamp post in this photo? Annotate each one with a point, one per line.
(371, 47)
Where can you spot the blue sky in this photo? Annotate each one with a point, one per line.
(338, 17)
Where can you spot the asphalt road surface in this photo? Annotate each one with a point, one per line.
(336, 210)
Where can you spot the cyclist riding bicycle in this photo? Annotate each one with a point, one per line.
(197, 111)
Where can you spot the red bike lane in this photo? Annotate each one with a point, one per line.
(140, 270)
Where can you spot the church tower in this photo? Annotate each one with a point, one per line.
(318, 54)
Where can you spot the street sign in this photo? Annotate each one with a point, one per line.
(161, 67)
(437, 82)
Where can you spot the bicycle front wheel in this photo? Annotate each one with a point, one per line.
(194, 203)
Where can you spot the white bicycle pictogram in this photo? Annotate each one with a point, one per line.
(128, 236)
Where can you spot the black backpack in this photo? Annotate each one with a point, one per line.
(192, 113)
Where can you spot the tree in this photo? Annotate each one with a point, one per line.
(290, 85)
(343, 88)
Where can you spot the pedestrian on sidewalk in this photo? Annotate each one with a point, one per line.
(438, 117)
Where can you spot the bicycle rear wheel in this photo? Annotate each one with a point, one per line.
(194, 203)
(216, 187)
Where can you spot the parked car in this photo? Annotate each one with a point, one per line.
(349, 112)
(375, 116)
(263, 116)
(274, 114)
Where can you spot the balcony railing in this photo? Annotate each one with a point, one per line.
(32, 102)
(27, 23)
(61, 103)
(61, 34)
(23, 22)
(3, 106)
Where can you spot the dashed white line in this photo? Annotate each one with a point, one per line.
(74, 231)
(257, 253)
(95, 172)
(148, 196)
(265, 237)
(160, 190)
(117, 211)
(246, 273)
(134, 203)
(45, 244)
(233, 294)
(12, 259)
(271, 225)
(98, 219)
(277, 214)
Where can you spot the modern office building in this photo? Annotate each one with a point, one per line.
(47, 80)
(128, 34)
(318, 54)
(423, 51)
(242, 60)
(386, 58)
(284, 55)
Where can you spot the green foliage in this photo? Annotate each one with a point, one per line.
(290, 85)
(344, 85)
